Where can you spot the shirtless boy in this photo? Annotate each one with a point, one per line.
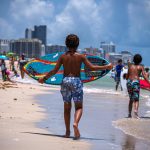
(133, 84)
(72, 86)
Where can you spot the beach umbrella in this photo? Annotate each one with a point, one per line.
(10, 53)
(3, 57)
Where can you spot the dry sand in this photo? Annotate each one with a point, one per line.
(19, 113)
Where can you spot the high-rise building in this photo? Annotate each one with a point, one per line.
(113, 57)
(42, 50)
(28, 33)
(4, 45)
(55, 48)
(40, 32)
(93, 51)
(126, 56)
(108, 47)
(30, 47)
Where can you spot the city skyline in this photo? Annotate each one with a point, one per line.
(125, 23)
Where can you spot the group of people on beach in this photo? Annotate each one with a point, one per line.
(5, 70)
(72, 86)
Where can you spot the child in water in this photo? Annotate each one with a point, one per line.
(133, 84)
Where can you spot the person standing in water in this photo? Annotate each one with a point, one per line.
(118, 73)
(133, 84)
(72, 86)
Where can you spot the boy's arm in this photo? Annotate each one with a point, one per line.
(127, 76)
(96, 67)
(52, 72)
(144, 75)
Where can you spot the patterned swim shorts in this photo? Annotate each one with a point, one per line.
(72, 88)
(133, 89)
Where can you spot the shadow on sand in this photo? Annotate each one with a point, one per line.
(142, 117)
(62, 136)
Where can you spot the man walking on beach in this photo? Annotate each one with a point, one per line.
(133, 84)
(118, 73)
(72, 86)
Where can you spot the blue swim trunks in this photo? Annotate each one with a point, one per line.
(133, 87)
(72, 88)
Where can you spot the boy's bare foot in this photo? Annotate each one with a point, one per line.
(76, 132)
(136, 115)
(67, 135)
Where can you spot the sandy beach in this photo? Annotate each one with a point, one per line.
(31, 116)
(19, 113)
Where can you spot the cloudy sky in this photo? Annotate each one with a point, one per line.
(124, 22)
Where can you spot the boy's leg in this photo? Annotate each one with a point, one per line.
(117, 83)
(130, 108)
(136, 106)
(22, 74)
(121, 86)
(130, 92)
(77, 117)
(67, 113)
(136, 92)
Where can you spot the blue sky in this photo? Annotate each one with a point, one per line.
(124, 22)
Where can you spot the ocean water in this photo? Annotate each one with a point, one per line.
(104, 85)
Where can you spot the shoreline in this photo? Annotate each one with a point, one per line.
(19, 114)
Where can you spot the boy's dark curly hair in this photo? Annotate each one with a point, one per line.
(137, 59)
(72, 41)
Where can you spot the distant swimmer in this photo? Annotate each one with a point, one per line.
(133, 84)
(72, 86)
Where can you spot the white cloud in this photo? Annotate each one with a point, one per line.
(32, 11)
(139, 23)
(88, 19)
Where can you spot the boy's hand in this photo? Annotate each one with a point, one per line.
(41, 80)
(109, 66)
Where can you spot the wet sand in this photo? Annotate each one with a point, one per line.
(103, 117)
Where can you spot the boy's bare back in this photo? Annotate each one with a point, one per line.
(134, 71)
(71, 62)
